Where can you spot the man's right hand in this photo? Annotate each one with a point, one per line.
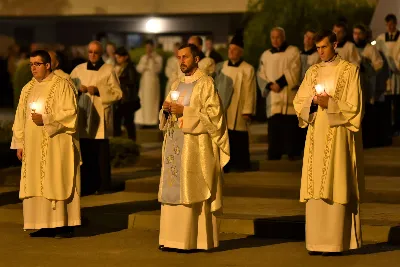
(315, 100)
(166, 106)
(20, 152)
(83, 89)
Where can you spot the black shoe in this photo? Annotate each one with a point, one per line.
(64, 232)
(314, 253)
(45, 232)
(332, 254)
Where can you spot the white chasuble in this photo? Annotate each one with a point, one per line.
(333, 166)
(50, 174)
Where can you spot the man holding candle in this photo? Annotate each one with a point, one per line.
(236, 84)
(45, 137)
(195, 149)
(278, 78)
(329, 101)
(99, 90)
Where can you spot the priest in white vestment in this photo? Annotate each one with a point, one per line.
(149, 67)
(329, 101)
(389, 44)
(236, 83)
(206, 64)
(99, 90)
(46, 140)
(195, 149)
(345, 49)
(371, 64)
(278, 78)
(172, 69)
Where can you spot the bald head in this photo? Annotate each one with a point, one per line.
(197, 41)
(95, 50)
(278, 37)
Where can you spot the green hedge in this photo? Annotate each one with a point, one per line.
(8, 157)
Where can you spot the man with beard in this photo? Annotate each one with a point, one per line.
(99, 88)
(193, 121)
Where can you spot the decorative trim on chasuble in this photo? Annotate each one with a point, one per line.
(329, 137)
(25, 102)
(170, 160)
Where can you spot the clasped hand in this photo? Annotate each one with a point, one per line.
(37, 119)
(173, 108)
(321, 100)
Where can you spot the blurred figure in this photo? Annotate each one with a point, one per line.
(172, 69)
(99, 90)
(57, 62)
(149, 67)
(210, 51)
(23, 72)
(309, 55)
(346, 49)
(278, 78)
(125, 108)
(109, 56)
(236, 83)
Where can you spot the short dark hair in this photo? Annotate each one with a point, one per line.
(391, 17)
(210, 38)
(193, 49)
(361, 27)
(198, 38)
(149, 42)
(341, 24)
(61, 59)
(121, 51)
(326, 33)
(43, 54)
(177, 44)
(310, 30)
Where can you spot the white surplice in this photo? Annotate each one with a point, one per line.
(171, 71)
(348, 52)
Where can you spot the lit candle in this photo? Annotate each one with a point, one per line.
(175, 95)
(34, 106)
(319, 88)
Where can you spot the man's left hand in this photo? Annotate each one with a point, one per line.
(247, 117)
(92, 90)
(37, 119)
(323, 100)
(177, 109)
(275, 87)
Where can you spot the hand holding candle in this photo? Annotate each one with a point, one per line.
(175, 95)
(319, 88)
(34, 106)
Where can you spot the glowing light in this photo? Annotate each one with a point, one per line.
(34, 106)
(319, 88)
(175, 95)
(373, 42)
(153, 25)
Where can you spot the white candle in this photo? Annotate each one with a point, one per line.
(175, 95)
(34, 106)
(319, 88)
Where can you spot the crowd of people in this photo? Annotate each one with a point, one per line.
(316, 100)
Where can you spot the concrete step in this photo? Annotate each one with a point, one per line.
(284, 185)
(283, 219)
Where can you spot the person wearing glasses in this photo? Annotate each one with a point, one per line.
(99, 89)
(45, 124)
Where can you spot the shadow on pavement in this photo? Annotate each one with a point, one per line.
(374, 249)
(111, 218)
(8, 198)
(246, 242)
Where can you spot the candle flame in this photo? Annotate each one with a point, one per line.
(319, 88)
(34, 106)
(175, 95)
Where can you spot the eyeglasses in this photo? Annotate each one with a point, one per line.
(36, 64)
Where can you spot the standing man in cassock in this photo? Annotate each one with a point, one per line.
(371, 64)
(149, 67)
(345, 49)
(190, 189)
(99, 90)
(278, 78)
(206, 64)
(329, 101)
(236, 83)
(57, 62)
(46, 140)
(389, 44)
(172, 68)
(309, 55)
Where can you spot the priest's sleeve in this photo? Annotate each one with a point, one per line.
(262, 80)
(18, 127)
(354, 56)
(110, 91)
(249, 105)
(303, 100)
(64, 118)
(141, 67)
(209, 118)
(348, 110)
